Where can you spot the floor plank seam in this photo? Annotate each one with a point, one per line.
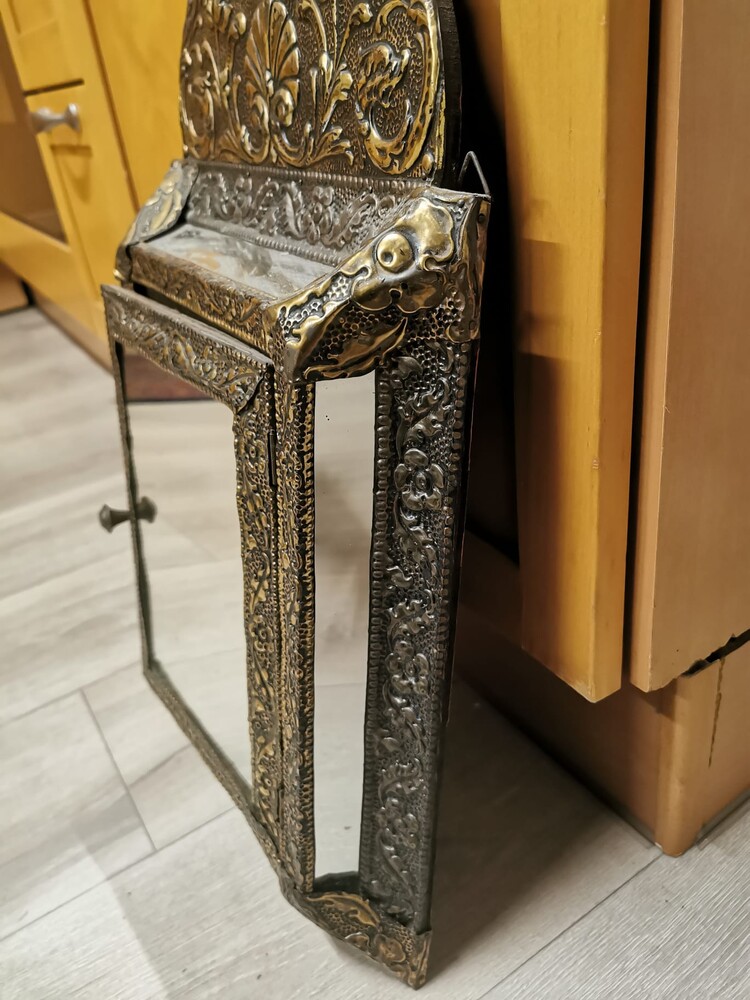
(116, 766)
(566, 930)
(115, 875)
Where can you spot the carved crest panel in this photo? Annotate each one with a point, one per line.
(335, 85)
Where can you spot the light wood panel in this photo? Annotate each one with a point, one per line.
(24, 190)
(140, 44)
(671, 760)
(43, 49)
(86, 171)
(570, 82)
(12, 295)
(48, 265)
(691, 575)
(88, 179)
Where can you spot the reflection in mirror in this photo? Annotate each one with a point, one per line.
(344, 469)
(183, 450)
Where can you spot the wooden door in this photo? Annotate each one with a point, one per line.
(568, 81)
(691, 579)
(140, 44)
(87, 175)
(58, 65)
(44, 52)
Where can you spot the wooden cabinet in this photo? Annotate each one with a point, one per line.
(691, 569)
(45, 50)
(57, 65)
(632, 574)
(86, 172)
(569, 81)
(140, 43)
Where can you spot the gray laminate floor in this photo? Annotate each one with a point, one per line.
(127, 874)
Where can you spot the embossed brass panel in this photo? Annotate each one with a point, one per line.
(303, 239)
(312, 84)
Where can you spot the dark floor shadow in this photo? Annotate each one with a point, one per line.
(510, 822)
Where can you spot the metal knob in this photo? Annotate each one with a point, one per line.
(109, 518)
(45, 119)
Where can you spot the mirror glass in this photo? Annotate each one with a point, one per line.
(183, 451)
(344, 470)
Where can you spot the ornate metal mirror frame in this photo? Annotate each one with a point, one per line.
(315, 133)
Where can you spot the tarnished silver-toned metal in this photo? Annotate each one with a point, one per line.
(305, 238)
(45, 119)
(109, 517)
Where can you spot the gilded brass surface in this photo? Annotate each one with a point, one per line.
(313, 134)
(357, 315)
(159, 214)
(304, 83)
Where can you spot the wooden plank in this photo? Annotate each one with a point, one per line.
(12, 295)
(705, 761)
(42, 51)
(612, 746)
(671, 761)
(572, 93)
(140, 43)
(91, 339)
(691, 585)
(490, 586)
(47, 265)
(728, 770)
(87, 176)
(86, 171)
(24, 189)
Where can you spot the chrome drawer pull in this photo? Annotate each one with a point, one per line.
(45, 119)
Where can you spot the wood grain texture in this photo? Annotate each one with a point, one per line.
(728, 772)
(87, 176)
(679, 931)
(48, 265)
(614, 746)
(573, 100)
(43, 51)
(86, 170)
(691, 589)
(672, 761)
(24, 190)
(140, 43)
(705, 758)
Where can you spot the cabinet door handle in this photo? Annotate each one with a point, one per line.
(45, 119)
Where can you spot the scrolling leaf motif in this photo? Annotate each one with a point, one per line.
(159, 213)
(255, 506)
(382, 73)
(354, 920)
(174, 345)
(250, 94)
(295, 408)
(420, 480)
(416, 279)
(300, 215)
